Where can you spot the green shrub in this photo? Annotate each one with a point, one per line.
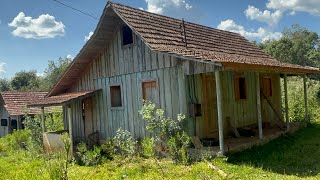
(124, 141)
(148, 147)
(19, 139)
(177, 146)
(55, 167)
(54, 120)
(34, 125)
(88, 157)
(108, 149)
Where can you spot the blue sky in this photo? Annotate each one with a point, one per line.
(35, 31)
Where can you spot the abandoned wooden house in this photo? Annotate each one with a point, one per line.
(218, 78)
(13, 107)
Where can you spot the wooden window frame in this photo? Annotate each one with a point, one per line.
(236, 89)
(147, 80)
(267, 92)
(121, 94)
(122, 38)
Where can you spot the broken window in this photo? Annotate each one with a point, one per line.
(127, 36)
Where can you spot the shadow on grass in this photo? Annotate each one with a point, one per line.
(295, 154)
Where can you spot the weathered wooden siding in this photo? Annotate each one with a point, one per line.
(238, 112)
(4, 130)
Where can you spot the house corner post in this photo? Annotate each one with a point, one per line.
(70, 129)
(43, 120)
(305, 98)
(285, 86)
(219, 108)
(259, 106)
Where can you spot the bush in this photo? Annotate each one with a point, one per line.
(88, 157)
(178, 145)
(167, 131)
(54, 120)
(125, 143)
(55, 167)
(34, 125)
(19, 139)
(148, 147)
(108, 149)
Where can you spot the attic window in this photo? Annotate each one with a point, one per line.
(127, 36)
(240, 88)
(115, 94)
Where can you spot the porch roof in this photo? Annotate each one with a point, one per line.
(61, 99)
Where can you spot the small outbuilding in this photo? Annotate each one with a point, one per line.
(13, 107)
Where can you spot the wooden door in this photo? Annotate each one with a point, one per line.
(88, 123)
(210, 107)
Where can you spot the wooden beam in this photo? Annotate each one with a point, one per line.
(259, 106)
(285, 86)
(43, 120)
(305, 98)
(70, 129)
(219, 108)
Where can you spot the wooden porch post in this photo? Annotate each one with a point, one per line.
(286, 100)
(70, 128)
(43, 120)
(219, 108)
(305, 98)
(259, 106)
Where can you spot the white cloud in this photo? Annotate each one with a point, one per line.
(2, 68)
(45, 26)
(41, 74)
(159, 6)
(292, 13)
(86, 38)
(261, 33)
(69, 56)
(266, 16)
(309, 6)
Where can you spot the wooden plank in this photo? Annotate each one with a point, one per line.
(259, 106)
(219, 107)
(286, 107)
(70, 129)
(305, 98)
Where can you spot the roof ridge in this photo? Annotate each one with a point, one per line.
(114, 3)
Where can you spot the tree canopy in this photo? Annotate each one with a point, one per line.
(30, 81)
(297, 46)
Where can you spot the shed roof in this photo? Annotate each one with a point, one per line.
(61, 99)
(174, 36)
(16, 102)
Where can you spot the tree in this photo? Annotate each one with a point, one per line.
(54, 72)
(25, 81)
(4, 85)
(298, 46)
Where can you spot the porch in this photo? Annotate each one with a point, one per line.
(223, 102)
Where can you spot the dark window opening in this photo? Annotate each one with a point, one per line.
(4, 122)
(14, 124)
(115, 94)
(240, 88)
(127, 36)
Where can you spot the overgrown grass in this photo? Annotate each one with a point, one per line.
(293, 156)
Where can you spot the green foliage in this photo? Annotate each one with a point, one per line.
(296, 100)
(54, 71)
(124, 141)
(54, 120)
(25, 81)
(160, 126)
(34, 125)
(148, 147)
(88, 157)
(15, 141)
(298, 46)
(108, 149)
(178, 145)
(4, 85)
(56, 167)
